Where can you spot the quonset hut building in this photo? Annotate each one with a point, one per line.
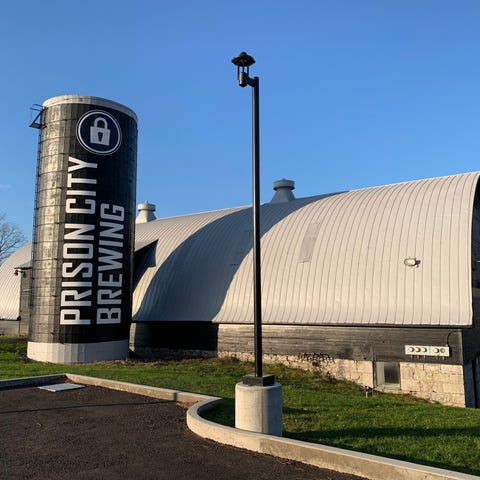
(378, 285)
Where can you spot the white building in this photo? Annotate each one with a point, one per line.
(378, 285)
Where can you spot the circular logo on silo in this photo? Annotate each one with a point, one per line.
(99, 132)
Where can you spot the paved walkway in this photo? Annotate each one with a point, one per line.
(97, 433)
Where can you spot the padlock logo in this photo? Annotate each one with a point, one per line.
(100, 135)
(99, 132)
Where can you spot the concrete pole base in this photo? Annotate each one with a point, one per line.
(259, 409)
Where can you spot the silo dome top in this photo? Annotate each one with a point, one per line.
(101, 102)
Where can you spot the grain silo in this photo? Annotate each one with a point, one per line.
(84, 231)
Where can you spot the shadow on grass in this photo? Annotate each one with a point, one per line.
(388, 432)
(345, 437)
(224, 414)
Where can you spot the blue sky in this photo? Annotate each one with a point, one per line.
(352, 93)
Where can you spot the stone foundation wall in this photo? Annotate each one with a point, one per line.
(433, 382)
(151, 353)
(446, 384)
(360, 372)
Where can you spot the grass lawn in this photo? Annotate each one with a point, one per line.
(315, 409)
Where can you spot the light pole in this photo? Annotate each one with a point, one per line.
(243, 61)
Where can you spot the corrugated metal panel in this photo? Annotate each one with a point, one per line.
(10, 283)
(140, 244)
(196, 258)
(340, 260)
(164, 291)
(336, 260)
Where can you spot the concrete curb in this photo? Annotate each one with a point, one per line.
(332, 458)
(154, 392)
(345, 461)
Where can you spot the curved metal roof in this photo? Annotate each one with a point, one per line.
(10, 283)
(186, 273)
(328, 260)
(332, 260)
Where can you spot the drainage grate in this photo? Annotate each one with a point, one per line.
(61, 387)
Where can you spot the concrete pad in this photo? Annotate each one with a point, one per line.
(259, 408)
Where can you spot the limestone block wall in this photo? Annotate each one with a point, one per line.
(357, 371)
(446, 384)
(434, 382)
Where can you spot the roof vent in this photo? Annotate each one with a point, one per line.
(283, 191)
(145, 213)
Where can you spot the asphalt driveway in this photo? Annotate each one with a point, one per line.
(97, 433)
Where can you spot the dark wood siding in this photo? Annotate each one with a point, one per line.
(176, 335)
(382, 344)
(356, 343)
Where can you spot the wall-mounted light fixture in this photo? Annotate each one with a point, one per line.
(411, 262)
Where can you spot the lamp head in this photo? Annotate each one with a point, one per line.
(243, 62)
(243, 59)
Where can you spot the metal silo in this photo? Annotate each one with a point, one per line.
(84, 231)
